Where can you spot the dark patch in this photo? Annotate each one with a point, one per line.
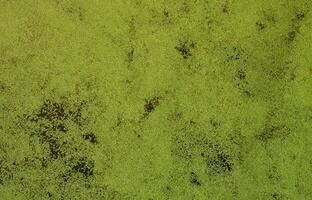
(84, 166)
(2, 87)
(76, 11)
(60, 127)
(234, 53)
(267, 133)
(273, 132)
(241, 75)
(215, 123)
(226, 7)
(150, 105)
(55, 148)
(90, 137)
(300, 15)
(221, 163)
(51, 111)
(276, 196)
(260, 26)
(194, 180)
(291, 36)
(130, 56)
(43, 163)
(247, 93)
(184, 48)
(49, 194)
(273, 174)
(292, 76)
(166, 13)
(296, 23)
(76, 113)
(66, 175)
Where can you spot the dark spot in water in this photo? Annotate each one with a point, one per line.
(267, 133)
(226, 7)
(260, 26)
(55, 148)
(49, 194)
(76, 113)
(194, 180)
(76, 11)
(221, 163)
(276, 196)
(234, 53)
(60, 127)
(66, 175)
(273, 132)
(150, 105)
(184, 48)
(292, 76)
(2, 87)
(241, 75)
(273, 174)
(291, 36)
(166, 13)
(215, 123)
(90, 137)
(43, 163)
(51, 110)
(84, 166)
(300, 15)
(130, 56)
(247, 93)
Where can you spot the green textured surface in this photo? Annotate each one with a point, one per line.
(142, 99)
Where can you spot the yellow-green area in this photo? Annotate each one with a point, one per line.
(155, 100)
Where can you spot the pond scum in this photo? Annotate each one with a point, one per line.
(152, 100)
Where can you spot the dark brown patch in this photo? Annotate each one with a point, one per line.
(241, 75)
(90, 137)
(291, 36)
(76, 11)
(215, 123)
(130, 56)
(84, 166)
(55, 148)
(276, 196)
(260, 26)
(226, 7)
(166, 13)
(184, 48)
(76, 113)
(221, 163)
(150, 105)
(272, 131)
(300, 15)
(194, 179)
(51, 111)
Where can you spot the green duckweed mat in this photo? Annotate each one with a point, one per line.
(155, 100)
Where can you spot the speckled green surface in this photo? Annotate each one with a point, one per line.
(143, 99)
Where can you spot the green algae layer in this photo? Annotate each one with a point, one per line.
(155, 100)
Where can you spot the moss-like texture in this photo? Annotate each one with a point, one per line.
(145, 99)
